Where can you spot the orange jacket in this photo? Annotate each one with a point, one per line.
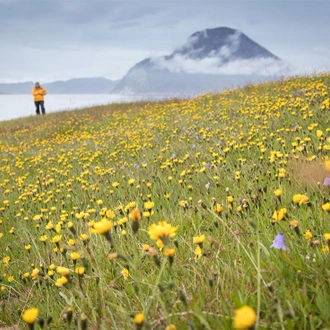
(39, 93)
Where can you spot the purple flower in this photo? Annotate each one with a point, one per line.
(173, 156)
(207, 186)
(279, 242)
(326, 182)
(208, 165)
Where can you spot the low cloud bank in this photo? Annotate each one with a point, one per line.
(217, 65)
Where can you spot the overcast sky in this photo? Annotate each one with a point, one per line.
(57, 40)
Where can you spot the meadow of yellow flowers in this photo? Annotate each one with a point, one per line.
(208, 213)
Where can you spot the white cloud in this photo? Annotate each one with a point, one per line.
(231, 46)
(216, 65)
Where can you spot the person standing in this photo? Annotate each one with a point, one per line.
(38, 93)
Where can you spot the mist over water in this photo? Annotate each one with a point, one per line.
(15, 106)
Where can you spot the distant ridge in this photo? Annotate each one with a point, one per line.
(97, 85)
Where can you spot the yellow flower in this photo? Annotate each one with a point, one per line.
(300, 199)
(50, 273)
(101, 227)
(149, 205)
(110, 214)
(131, 181)
(135, 215)
(171, 327)
(308, 235)
(148, 214)
(161, 230)
(327, 237)
(63, 270)
(218, 208)
(230, 199)
(169, 252)
(279, 214)
(198, 252)
(35, 273)
(30, 315)
(50, 225)
(199, 239)
(80, 270)
(56, 238)
(160, 244)
(294, 223)
(244, 318)
(319, 133)
(125, 273)
(71, 242)
(99, 202)
(145, 247)
(326, 207)
(327, 165)
(277, 192)
(83, 237)
(61, 281)
(325, 249)
(139, 318)
(183, 203)
(74, 255)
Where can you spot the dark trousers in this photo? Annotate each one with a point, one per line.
(38, 104)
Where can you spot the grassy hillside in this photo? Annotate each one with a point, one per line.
(162, 215)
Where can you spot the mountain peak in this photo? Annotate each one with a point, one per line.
(222, 30)
(226, 43)
(211, 59)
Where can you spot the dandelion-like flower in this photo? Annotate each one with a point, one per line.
(244, 318)
(30, 315)
(63, 271)
(101, 227)
(300, 199)
(135, 215)
(326, 207)
(278, 215)
(199, 239)
(162, 230)
(308, 235)
(61, 281)
(149, 205)
(125, 273)
(277, 192)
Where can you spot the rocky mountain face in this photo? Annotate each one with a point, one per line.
(225, 43)
(212, 59)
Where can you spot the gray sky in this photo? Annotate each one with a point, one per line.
(57, 40)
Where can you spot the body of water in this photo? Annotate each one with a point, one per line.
(15, 106)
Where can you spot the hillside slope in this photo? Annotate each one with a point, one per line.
(170, 215)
